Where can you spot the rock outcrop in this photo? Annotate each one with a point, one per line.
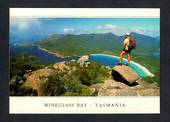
(84, 60)
(61, 66)
(38, 80)
(124, 74)
(114, 88)
(125, 82)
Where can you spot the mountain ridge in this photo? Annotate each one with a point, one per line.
(81, 44)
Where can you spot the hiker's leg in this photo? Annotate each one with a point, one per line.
(121, 56)
(128, 57)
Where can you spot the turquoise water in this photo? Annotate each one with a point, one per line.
(111, 61)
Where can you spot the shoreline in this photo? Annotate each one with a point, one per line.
(137, 64)
(56, 53)
(132, 62)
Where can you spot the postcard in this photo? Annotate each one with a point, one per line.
(84, 60)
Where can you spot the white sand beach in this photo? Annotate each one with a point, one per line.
(132, 62)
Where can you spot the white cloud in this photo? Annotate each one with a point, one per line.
(110, 27)
(24, 24)
(68, 30)
(107, 27)
(99, 27)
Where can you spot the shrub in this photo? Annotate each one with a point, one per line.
(92, 74)
(67, 85)
(55, 85)
(73, 82)
(19, 66)
(22, 64)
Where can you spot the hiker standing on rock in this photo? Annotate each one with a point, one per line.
(128, 44)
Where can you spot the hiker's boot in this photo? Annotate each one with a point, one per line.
(127, 64)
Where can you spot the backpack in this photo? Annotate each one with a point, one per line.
(132, 43)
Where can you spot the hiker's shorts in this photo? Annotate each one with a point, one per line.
(127, 51)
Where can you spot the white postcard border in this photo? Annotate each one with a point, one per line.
(84, 105)
(85, 12)
(35, 105)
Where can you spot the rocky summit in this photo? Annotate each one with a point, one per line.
(122, 80)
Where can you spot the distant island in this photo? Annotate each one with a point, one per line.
(24, 44)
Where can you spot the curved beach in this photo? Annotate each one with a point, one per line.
(132, 64)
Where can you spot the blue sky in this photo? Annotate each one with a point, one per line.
(119, 26)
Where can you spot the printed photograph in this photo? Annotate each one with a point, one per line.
(84, 56)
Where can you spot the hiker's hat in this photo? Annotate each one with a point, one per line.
(127, 34)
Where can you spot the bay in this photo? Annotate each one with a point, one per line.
(43, 57)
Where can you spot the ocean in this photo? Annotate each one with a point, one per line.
(42, 56)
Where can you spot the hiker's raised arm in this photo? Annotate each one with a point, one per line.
(124, 45)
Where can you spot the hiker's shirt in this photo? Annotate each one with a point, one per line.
(126, 42)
